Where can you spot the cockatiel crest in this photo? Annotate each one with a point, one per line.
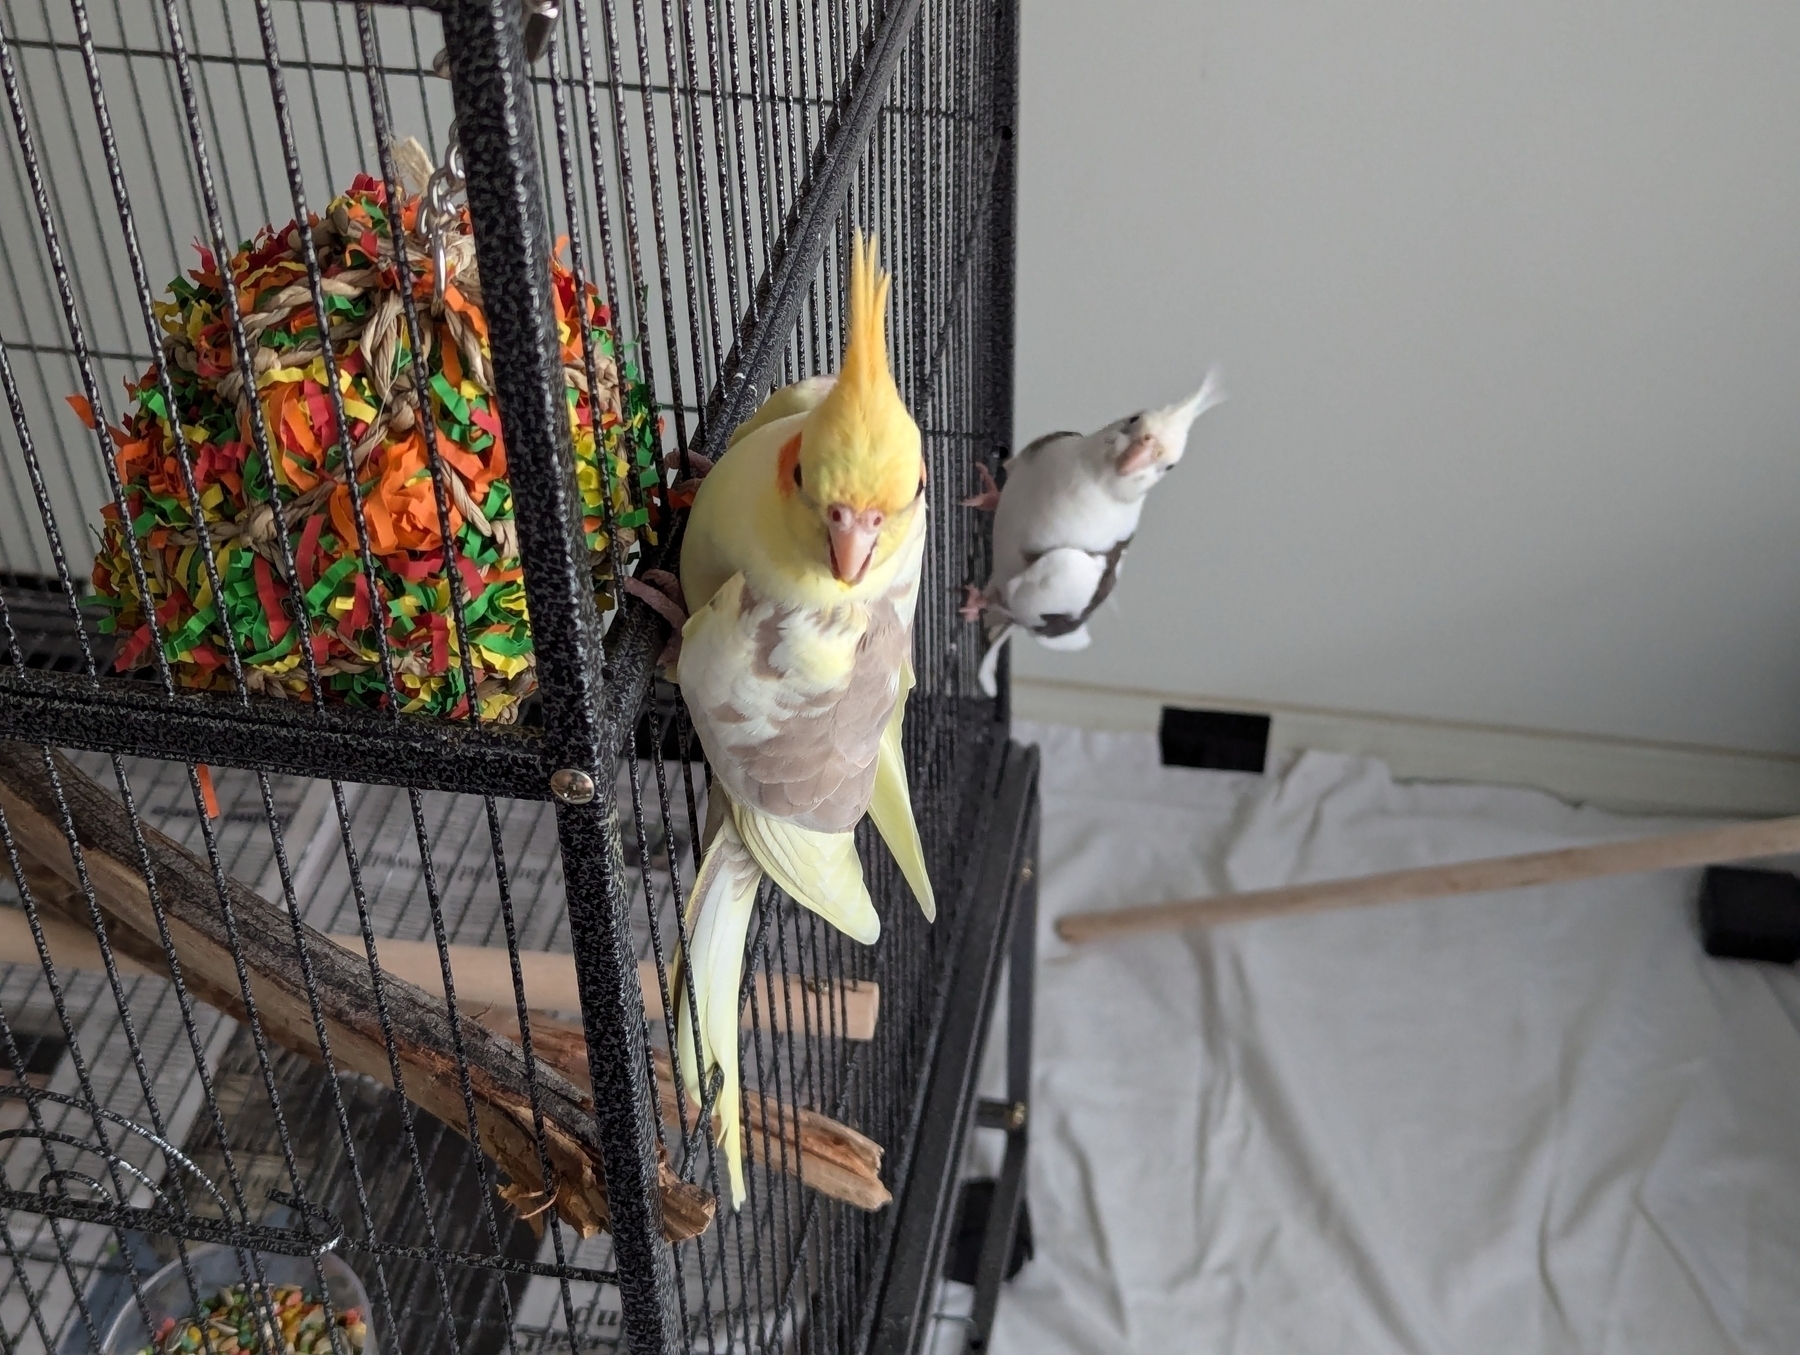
(858, 462)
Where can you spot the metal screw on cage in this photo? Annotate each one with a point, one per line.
(572, 787)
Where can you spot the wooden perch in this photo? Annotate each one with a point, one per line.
(1702, 847)
(423, 1039)
(484, 979)
(827, 1156)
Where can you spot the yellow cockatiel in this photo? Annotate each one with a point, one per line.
(800, 570)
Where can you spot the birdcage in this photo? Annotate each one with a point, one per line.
(323, 950)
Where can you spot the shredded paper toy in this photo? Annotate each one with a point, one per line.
(402, 411)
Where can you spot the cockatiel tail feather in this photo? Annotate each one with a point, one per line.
(718, 920)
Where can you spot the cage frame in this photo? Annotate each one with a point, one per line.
(593, 682)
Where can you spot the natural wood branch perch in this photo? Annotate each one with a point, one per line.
(827, 1156)
(423, 1038)
(484, 978)
(1702, 847)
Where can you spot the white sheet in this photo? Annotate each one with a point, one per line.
(1534, 1122)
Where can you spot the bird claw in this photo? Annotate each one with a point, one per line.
(974, 603)
(989, 498)
(693, 468)
(692, 465)
(660, 591)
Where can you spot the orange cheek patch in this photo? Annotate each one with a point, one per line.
(790, 459)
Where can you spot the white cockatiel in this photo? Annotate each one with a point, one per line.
(1062, 523)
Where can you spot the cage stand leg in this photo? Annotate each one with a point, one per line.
(1013, 1115)
(927, 1183)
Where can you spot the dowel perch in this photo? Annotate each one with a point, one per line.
(1701, 847)
(484, 979)
(423, 1040)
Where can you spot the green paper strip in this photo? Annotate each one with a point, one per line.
(320, 593)
(452, 398)
(281, 647)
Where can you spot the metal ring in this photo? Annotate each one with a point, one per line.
(440, 265)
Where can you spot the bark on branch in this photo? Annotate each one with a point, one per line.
(207, 935)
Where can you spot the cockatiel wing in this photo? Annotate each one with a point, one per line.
(1059, 583)
(891, 805)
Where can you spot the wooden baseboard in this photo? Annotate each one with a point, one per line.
(1623, 774)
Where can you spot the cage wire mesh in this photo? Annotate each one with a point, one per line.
(702, 167)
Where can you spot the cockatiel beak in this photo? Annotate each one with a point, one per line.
(1143, 451)
(853, 536)
(1164, 432)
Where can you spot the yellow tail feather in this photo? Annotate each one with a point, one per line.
(820, 870)
(718, 921)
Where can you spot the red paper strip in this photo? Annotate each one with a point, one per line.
(270, 598)
(309, 550)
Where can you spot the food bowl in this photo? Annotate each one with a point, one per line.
(215, 1267)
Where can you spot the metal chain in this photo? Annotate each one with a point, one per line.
(437, 213)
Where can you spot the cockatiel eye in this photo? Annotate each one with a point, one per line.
(797, 476)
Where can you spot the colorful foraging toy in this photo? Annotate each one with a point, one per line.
(388, 397)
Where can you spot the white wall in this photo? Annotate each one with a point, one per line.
(1508, 299)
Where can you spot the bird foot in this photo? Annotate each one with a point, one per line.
(660, 591)
(974, 603)
(696, 466)
(989, 498)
